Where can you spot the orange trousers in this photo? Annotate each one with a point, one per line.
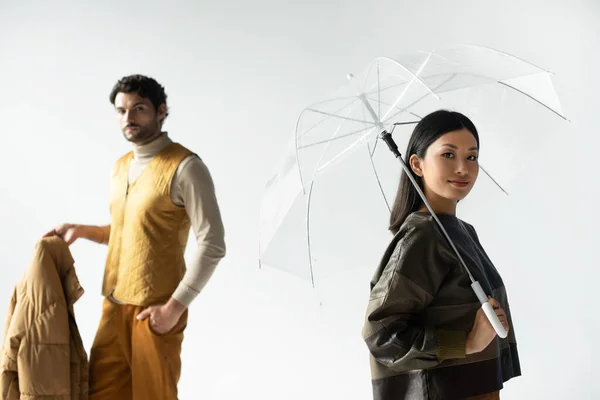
(129, 361)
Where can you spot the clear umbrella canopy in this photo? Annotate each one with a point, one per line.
(337, 180)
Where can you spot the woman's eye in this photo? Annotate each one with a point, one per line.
(448, 155)
(473, 158)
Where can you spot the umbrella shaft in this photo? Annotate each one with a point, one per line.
(371, 111)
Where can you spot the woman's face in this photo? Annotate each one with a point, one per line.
(450, 166)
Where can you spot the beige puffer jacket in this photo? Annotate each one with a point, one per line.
(42, 354)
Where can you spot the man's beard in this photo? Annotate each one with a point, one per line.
(143, 135)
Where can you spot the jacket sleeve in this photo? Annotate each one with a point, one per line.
(408, 283)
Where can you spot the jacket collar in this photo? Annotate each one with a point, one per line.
(64, 263)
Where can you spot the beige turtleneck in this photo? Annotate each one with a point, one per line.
(192, 188)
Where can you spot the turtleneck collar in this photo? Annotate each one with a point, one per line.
(144, 153)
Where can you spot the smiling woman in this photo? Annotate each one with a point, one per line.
(452, 158)
(442, 153)
(422, 315)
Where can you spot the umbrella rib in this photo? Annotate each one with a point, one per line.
(338, 116)
(329, 100)
(341, 108)
(378, 94)
(364, 114)
(493, 180)
(324, 119)
(386, 88)
(372, 153)
(509, 55)
(335, 138)
(534, 99)
(415, 78)
(431, 76)
(377, 175)
(485, 77)
(399, 109)
(375, 123)
(423, 97)
(312, 277)
(296, 137)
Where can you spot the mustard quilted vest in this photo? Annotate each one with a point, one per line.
(148, 232)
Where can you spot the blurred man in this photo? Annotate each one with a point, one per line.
(157, 192)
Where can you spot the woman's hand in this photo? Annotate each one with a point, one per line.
(483, 332)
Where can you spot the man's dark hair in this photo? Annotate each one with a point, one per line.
(144, 86)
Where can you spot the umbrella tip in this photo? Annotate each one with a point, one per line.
(349, 76)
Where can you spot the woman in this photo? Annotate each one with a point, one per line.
(426, 332)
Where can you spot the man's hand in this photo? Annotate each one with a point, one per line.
(71, 232)
(67, 232)
(163, 318)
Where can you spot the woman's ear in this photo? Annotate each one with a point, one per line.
(415, 164)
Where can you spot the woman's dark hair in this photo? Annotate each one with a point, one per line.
(427, 131)
(144, 86)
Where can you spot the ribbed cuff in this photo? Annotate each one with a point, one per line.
(184, 294)
(450, 344)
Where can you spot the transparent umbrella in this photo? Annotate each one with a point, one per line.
(506, 97)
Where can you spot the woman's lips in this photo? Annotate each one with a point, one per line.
(459, 183)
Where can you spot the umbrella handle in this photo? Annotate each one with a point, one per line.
(493, 318)
(489, 310)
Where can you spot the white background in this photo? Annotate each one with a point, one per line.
(237, 75)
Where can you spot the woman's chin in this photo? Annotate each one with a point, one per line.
(456, 197)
